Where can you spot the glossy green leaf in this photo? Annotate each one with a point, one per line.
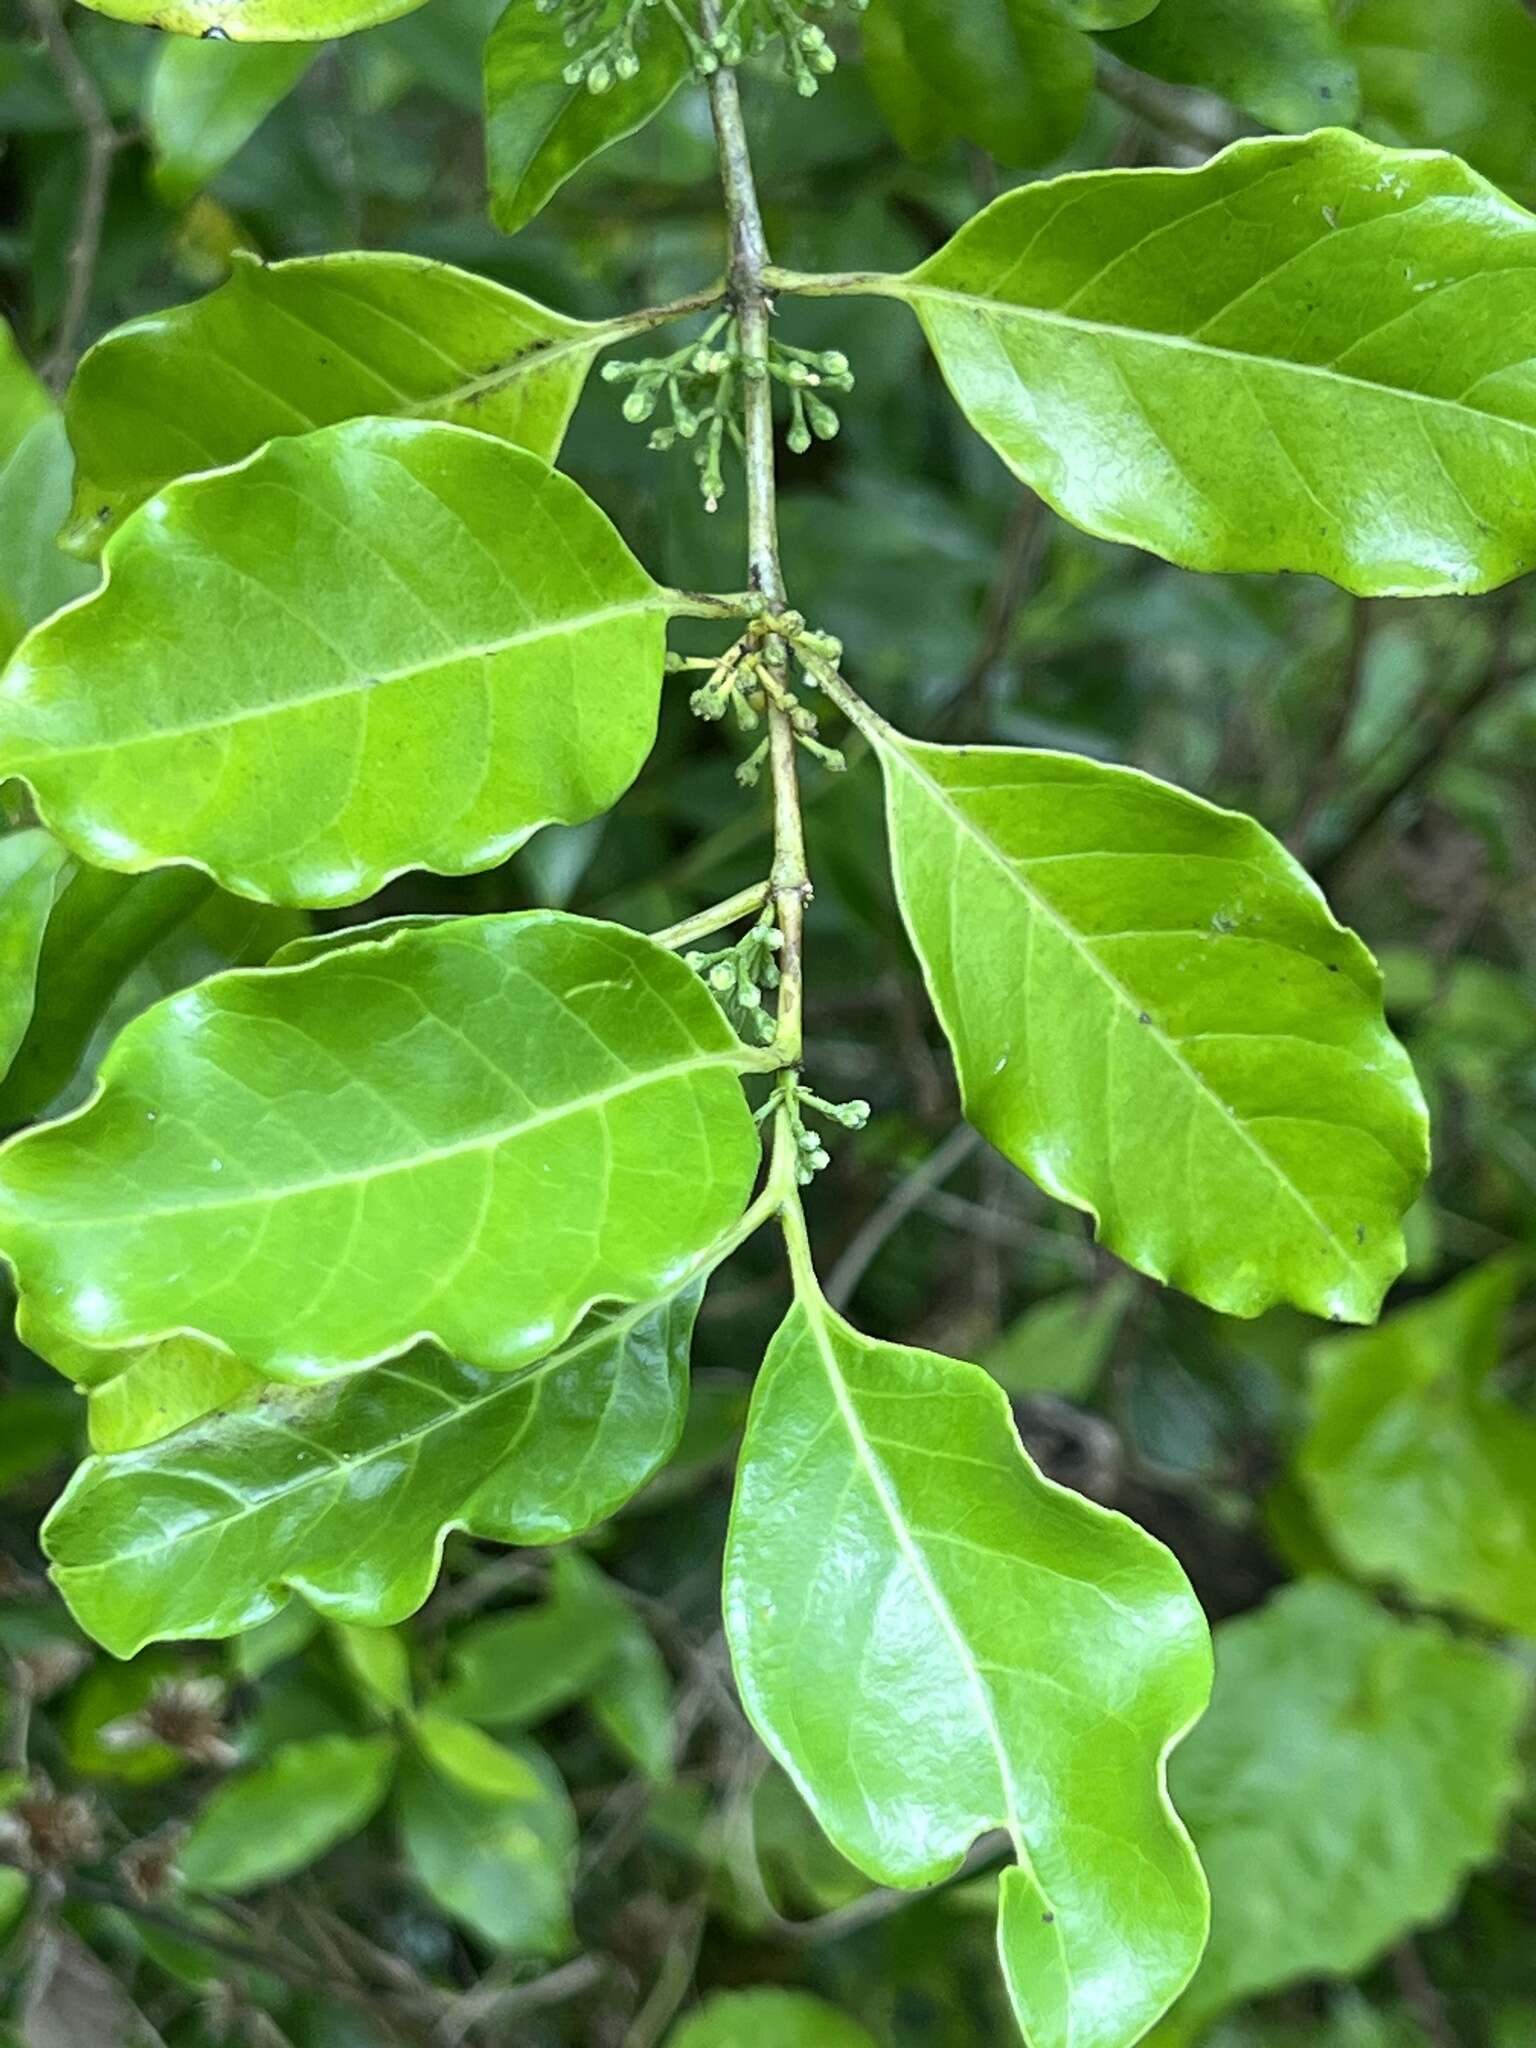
(1352, 1770)
(1450, 74)
(471, 1134)
(1062, 1344)
(769, 2019)
(1015, 75)
(490, 1833)
(344, 1494)
(282, 348)
(631, 1698)
(271, 1821)
(1422, 1473)
(35, 468)
(1339, 381)
(917, 115)
(140, 1394)
(1107, 14)
(412, 600)
(539, 129)
(255, 21)
(934, 1640)
(512, 1670)
(378, 1661)
(1284, 62)
(206, 100)
(30, 866)
(100, 929)
(1129, 976)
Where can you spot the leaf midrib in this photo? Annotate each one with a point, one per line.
(341, 1467)
(1042, 907)
(356, 686)
(484, 1141)
(999, 309)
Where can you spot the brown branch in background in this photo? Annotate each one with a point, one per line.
(907, 1196)
(1329, 772)
(99, 141)
(1436, 733)
(1013, 581)
(1422, 1996)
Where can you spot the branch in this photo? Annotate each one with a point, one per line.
(99, 140)
(907, 1196)
(748, 288)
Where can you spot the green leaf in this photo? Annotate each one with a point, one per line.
(100, 929)
(206, 100)
(631, 1699)
(1352, 1770)
(35, 466)
(1285, 62)
(411, 600)
(540, 130)
(1062, 1344)
(490, 1833)
(345, 1493)
(1153, 1013)
(769, 2019)
(285, 347)
(1422, 1473)
(934, 1640)
(1015, 75)
(1339, 381)
(378, 1660)
(269, 1822)
(255, 21)
(1107, 14)
(1450, 74)
(513, 1670)
(144, 1392)
(918, 117)
(469, 1135)
(30, 866)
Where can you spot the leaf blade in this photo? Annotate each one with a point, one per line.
(1156, 388)
(839, 1506)
(1251, 955)
(401, 636)
(289, 347)
(421, 1094)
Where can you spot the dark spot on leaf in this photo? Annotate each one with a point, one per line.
(1048, 1918)
(1332, 968)
(1143, 1018)
(1359, 1233)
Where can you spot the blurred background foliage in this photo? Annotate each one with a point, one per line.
(220, 1844)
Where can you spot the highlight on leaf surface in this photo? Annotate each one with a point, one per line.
(542, 126)
(1353, 1769)
(1339, 381)
(934, 1640)
(256, 21)
(442, 645)
(283, 348)
(1286, 63)
(490, 1833)
(1154, 1014)
(344, 1494)
(471, 1134)
(1421, 1471)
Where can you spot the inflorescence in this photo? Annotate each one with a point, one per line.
(603, 56)
(702, 383)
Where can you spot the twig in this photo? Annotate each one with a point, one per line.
(1422, 1996)
(745, 903)
(1330, 755)
(908, 1196)
(790, 877)
(99, 141)
(1436, 734)
(1017, 565)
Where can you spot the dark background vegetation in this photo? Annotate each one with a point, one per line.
(1389, 744)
